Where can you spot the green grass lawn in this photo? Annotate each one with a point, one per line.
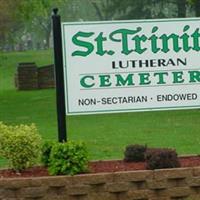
(105, 135)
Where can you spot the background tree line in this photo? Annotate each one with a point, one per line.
(26, 24)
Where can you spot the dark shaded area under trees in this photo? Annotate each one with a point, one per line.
(27, 24)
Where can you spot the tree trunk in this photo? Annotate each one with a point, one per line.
(48, 35)
(181, 4)
(47, 45)
(197, 8)
(98, 11)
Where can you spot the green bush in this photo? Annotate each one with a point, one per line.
(135, 152)
(46, 151)
(20, 145)
(161, 158)
(68, 158)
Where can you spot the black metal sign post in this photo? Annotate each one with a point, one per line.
(60, 91)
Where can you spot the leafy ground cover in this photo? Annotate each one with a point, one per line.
(105, 135)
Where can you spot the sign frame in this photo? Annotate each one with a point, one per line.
(66, 72)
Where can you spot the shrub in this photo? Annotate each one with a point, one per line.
(68, 158)
(20, 145)
(135, 153)
(161, 158)
(46, 151)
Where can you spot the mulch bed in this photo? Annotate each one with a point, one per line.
(99, 167)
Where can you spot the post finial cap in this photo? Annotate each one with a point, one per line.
(55, 11)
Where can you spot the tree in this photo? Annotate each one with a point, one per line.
(10, 25)
(37, 15)
(140, 9)
(126, 9)
(196, 6)
(104, 9)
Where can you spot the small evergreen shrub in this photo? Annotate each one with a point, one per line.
(68, 158)
(46, 151)
(161, 158)
(135, 153)
(20, 145)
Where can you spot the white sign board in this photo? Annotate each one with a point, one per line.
(126, 66)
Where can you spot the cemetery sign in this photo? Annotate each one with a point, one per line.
(127, 66)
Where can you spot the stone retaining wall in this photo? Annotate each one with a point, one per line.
(167, 184)
(29, 76)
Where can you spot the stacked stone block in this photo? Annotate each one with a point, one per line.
(30, 77)
(46, 77)
(27, 76)
(167, 184)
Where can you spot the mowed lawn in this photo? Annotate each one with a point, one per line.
(106, 135)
